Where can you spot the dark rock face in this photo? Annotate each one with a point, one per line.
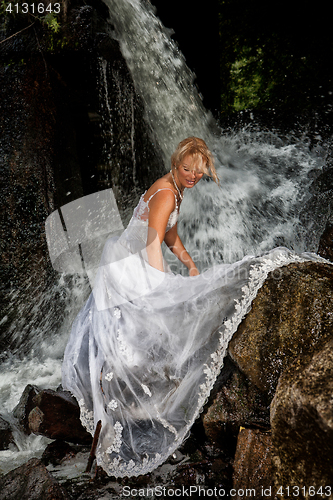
(57, 416)
(6, 435)
(302, 422)
(325, 248)
(24, 407)
(56, 451)
(71, 125)
(238, 403)
(31, 481)
(290, 315)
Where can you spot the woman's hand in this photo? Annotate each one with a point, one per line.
(194, 271)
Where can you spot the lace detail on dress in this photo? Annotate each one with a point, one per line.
(123, 347)
(115, 447)
(86, 417)
(257, 275)
(141, 212)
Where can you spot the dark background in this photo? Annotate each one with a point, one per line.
(257, 55)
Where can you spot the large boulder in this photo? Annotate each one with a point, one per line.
(56, 415)
(31, 481)
(24, 407)
(302, 424)
(238, 403)
(290, 316)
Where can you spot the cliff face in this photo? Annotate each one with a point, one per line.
(71, 124)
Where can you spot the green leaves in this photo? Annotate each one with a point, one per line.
(51, 21)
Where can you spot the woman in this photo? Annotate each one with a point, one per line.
(191, 160)
(147, 347)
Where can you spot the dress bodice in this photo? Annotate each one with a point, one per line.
(141, 211)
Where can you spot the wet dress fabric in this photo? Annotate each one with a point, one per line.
(145, 350)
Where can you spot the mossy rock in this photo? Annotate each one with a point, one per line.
(291, 315)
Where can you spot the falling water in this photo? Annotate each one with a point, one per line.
(264, 186)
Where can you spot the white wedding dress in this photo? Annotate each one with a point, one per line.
(145, 350)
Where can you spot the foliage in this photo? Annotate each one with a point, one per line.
(51, 21)
(272, 56)
(13, 12)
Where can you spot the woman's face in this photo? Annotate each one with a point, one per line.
(187, 174)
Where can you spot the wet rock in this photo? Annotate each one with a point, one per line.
(270, 338)
(204, 475)
(31, 481)
(253, 464)
(56, 148)
(302, 422)
(325, 248)
(56, 451)
(57, 416)
(24, 407)
(6, 435)
(237, 403)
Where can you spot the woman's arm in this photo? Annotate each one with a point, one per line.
(175, 244)
(160, 208)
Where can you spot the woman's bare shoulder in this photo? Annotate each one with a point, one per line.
(162, 188)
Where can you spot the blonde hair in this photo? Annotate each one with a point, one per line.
(202, 158)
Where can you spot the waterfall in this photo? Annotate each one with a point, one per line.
(160, 75)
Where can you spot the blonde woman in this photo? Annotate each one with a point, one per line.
(191, 160)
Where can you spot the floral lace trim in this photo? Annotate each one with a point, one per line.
(113, 405)
(123, 347)
(115, 447)
(146, 390)
(117, 312)
(86, 417)
(109, 376)
(117, 467)
(143, 206)
(165, 423)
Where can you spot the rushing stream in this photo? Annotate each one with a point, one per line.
(264, 190)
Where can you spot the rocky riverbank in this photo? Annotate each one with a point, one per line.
(267, 425)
